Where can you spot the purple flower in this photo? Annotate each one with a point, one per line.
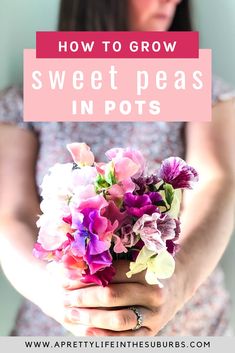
(144, 184)
(96, 246)
(93, 221)
(156, 229)
(78, 246)
(173, 248)
(92, 239)
(138, 205)
(128, 237)
(93, 232)
(155, 197)
(178, 173)
(99, 261)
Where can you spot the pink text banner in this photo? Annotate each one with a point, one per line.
(117, 89)
(117, 44)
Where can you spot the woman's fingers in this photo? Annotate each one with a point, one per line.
(114, 320)
(143, 331)
(70, 284)
(115, 295)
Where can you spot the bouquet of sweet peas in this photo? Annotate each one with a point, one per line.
(94, 214)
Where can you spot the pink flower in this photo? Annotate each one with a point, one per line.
(82, 194)
(125, 168)
(72, 262)
(102, 277)
(53, 231)
(96, 202)
(81, 154)
(128, 237)
(126, 240)
(86, 197)
(118, 191)
(100, 167)
(119, 246)
(127, 162)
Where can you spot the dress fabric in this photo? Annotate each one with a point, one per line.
(207, 312)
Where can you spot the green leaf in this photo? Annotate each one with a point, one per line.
(109, 174)
(169, 193)
(100, 183)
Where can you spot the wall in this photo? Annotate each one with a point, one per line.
(215, 21)
(19, 20)
(213, 18)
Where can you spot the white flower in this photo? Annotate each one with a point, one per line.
(159, 266)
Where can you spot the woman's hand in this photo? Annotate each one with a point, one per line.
(43, 286)
(105, 311)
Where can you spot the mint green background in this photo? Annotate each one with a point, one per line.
(20, 19)
(215, 19)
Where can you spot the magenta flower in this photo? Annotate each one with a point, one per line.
(178, 173)
(138, 205)
(155, 198)
(102, 277)
(99, 261)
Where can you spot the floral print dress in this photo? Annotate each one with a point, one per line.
(207, 312)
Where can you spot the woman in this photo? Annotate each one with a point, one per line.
(193, 302)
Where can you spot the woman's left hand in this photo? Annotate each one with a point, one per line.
(106, 312)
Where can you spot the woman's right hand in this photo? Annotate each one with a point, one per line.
(50, 297)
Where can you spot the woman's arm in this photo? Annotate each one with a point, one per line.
(208, 213)
(19, 206)
(19, 210)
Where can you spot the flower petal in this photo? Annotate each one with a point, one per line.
(163, 265)
(81, 153)
(178, 173)
(151, 278)
(141, 261)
